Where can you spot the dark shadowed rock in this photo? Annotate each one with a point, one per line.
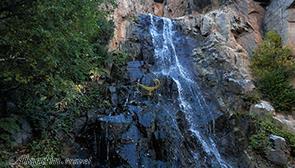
(79, 124)
(278, 152)
(129, 153)
(134, 70)
(117, 119)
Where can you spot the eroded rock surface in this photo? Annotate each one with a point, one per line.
(217, 38)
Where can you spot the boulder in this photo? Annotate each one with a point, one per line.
(262, 108)
(278, 152)
(286, 120)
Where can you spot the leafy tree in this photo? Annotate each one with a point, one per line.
(49, 51)
(47, 47)
(273, 67)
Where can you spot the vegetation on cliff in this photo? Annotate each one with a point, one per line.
(264, 127)
(273, 66)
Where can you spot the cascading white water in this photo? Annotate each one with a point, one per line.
(192, 103)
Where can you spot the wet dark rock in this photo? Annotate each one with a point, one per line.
(79, 124)
(135, 64)
(91, 116)
(233, 133)
(132, 134)
(134, 70)
(157, 130)
(114, 95)
(118, 119)
(148, 79)
(163, 128)
(129, 153)
(145, 118)
(83, 121)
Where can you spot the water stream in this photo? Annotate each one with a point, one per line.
(191, 101)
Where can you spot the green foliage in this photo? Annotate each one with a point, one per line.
(273, 66)
(259, 141)
(252, 97)
(264, 127)
(119, 58)
(8, 126)
(47, 148)
(50, 50)
(276, 87)
(53, 47)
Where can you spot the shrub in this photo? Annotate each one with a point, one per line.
(264, 127)
(273, 66)
(49, 50)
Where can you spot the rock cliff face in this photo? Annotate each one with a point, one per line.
(246, 11)
(230, 30)
(280, 17)
(123, 15)
(200, 51)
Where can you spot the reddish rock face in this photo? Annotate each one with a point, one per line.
(291, 29)
(159, 9)
(280, 17)
(123, 15)
(126, 10)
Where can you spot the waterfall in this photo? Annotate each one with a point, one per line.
(191, 101)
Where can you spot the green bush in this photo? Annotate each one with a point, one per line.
(252, 97)
(8, 126)
(259, 141)
(49, 52)
(264, 127)
(273, 66)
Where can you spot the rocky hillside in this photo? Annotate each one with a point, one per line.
(179, 83)
(225, 33)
